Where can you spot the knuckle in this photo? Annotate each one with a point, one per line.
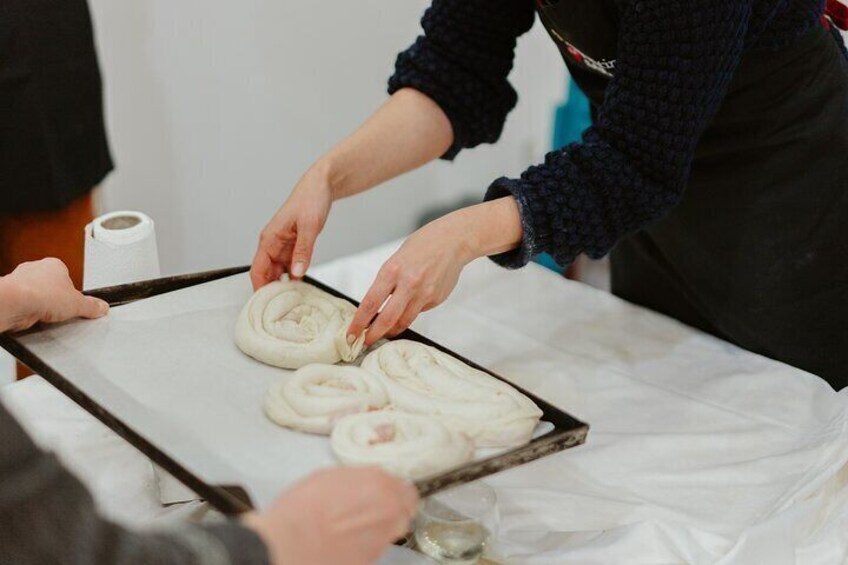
(266, 237)
(414, 279)
(391, 268)
(52, 262)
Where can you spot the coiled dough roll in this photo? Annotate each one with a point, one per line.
(291, 324)
(422, 380)
(408, 445)
(316, 396)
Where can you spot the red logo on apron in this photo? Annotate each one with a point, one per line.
(574, 52)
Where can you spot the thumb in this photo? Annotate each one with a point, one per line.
(91, 308)
(302, 254)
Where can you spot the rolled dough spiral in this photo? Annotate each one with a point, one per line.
(422, 380)
(291, 324)
(408, 445)
(316, 396)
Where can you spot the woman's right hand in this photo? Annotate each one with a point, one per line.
(342, 515)
(286, 243)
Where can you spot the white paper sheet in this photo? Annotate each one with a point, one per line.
(167, 366)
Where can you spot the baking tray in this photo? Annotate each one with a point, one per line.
(233, 498)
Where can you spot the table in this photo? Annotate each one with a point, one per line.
(699, 452)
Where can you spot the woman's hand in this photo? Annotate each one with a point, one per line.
(343, 515)
(418, 277)
(425, 270)
(42, 291)
(406, 132)
(287, 242)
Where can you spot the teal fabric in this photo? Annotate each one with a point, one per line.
(571, 119)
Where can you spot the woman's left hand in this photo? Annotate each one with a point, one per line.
(418, 277)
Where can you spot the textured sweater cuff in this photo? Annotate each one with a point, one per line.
(531, 241)
(243, 545)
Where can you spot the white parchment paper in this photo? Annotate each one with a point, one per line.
(167, 366)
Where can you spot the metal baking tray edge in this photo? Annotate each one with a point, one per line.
(232, 499)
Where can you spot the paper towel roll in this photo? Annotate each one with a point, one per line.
(120, 248)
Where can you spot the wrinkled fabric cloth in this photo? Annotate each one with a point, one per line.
(699, 451)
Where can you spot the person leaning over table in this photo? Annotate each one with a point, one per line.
(53, 145)
(715, 171)
(344, 515)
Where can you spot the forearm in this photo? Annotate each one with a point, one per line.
(408, 131)
(486, 229)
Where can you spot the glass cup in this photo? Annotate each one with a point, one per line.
(455, 526)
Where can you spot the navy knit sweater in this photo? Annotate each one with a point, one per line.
(676, 59)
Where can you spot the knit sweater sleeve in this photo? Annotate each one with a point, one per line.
(462, 62)
(675, 62)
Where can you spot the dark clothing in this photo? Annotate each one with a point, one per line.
(757, 251)
(675, 61)
(741, 104)
(47, 516)
(53, 146)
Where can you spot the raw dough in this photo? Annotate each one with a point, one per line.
(316, 396)
(291, 324)
(421, 379)
(408, 445)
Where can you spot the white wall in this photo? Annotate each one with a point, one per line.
(215, 108)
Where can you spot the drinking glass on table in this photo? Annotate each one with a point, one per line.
(455, 526)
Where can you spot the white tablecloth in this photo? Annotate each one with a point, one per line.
(698, 452)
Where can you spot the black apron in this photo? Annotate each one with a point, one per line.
(53, 146)
(757, 251)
